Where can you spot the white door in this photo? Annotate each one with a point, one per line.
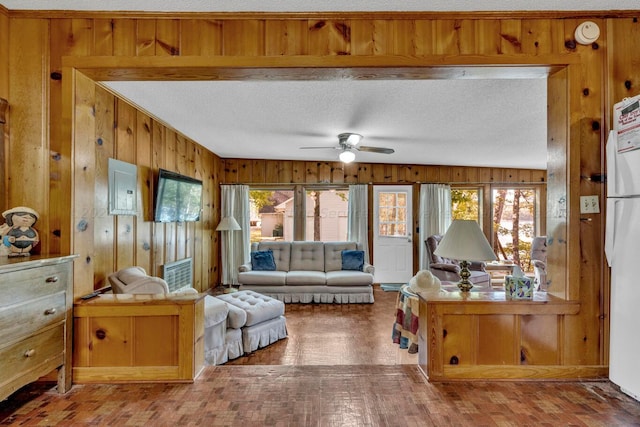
(392, 233)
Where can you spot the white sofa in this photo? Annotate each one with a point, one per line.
(308, 272)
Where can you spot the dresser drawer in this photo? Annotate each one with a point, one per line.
(32, 283)
(31, 354)
(27, 317)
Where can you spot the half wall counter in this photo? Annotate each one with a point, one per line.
(484, 335)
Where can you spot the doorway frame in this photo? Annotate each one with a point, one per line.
(557, 69)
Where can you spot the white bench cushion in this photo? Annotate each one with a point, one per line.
(258, 307)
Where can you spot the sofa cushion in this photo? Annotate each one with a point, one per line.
(307, 256)
(306, 278)
(348, 278)
(263, 261)
(281, 253)
(352, 260)
(333, 254)
(262, 277)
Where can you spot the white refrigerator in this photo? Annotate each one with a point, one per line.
(622, 248)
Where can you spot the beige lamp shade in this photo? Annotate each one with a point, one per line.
(228, 223)
(464, 240)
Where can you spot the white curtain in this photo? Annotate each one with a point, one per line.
(435, 215)
(358, 222)
(236, 245)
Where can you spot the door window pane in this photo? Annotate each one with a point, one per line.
(392, 214)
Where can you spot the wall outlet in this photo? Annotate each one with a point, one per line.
(589, 204)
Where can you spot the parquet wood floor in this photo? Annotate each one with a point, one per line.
(337, 368)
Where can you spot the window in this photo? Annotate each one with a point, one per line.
(514, 221)
(392, 214)
(327, 215)
(465, 204)
(275, 211)
(271, 214)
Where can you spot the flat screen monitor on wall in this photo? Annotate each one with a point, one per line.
(178, 198)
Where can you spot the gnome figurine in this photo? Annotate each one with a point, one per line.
(18, 234)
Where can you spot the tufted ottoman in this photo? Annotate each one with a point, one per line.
(265, 322)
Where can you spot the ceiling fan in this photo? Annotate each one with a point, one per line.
(348, 144)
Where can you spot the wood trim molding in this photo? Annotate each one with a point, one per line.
(319, 16)
(318, 67)
(520, 373)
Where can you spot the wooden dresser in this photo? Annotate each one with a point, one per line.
(36, 300)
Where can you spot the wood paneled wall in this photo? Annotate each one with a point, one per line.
(247, 171)
(55, 173)
(114, 242)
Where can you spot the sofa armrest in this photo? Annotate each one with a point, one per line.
(445, 267)
(244, 268)
(368, 268)
(477, 265)
(187, 290)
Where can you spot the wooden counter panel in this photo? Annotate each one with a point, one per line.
(526, 372)
(481, 335)
(497, 342)
(139, 338)
(458, 341)
(496, 303)
(539, 340)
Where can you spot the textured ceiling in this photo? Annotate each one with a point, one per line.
(499, 123)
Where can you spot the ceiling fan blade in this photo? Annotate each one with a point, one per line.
(375, 149)
(318, 148)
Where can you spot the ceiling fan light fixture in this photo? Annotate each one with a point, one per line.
(350, 138)
(347, 156)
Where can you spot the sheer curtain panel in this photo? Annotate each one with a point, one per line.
(235, 251)
(358, 221)
(435, 215)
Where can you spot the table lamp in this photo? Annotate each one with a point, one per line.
(227, 225)
(465, 241)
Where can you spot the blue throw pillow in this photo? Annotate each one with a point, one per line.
(263, 261)
(352, 260)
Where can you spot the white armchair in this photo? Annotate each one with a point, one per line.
(222, 341)
(134, 280)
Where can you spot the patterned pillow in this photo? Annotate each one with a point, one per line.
(352, 260)
(263, 261)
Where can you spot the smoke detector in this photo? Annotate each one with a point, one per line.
(587, 32)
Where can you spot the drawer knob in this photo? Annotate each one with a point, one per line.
(49, 311)
(29, 353)
(52, 279)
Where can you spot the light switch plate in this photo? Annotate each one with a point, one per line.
(589, 204)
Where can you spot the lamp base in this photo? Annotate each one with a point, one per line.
(465, 285)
